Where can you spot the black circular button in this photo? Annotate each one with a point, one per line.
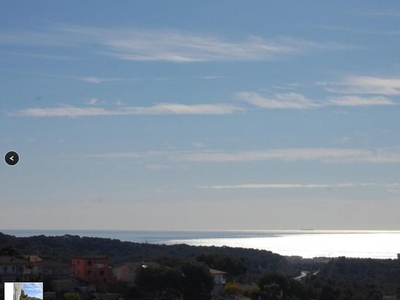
(12, 158)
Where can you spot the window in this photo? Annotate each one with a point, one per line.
(101, 272)
(89, 272)
(89, 263)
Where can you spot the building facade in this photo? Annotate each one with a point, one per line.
(94, 268)
(14, 269)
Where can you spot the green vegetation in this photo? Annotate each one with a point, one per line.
(26, 297)
(237, 260)
(228, 263)
(72, 296)
(183, 272)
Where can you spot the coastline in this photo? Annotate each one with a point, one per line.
(307, 244)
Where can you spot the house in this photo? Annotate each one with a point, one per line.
(94, 268)
(127, 272)
(14, 269)
(219, 280)
(51, 270)
(219, 276)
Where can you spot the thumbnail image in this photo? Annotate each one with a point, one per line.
(23, 291)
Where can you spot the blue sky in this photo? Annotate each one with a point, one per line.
(212, 115)
(33, 289)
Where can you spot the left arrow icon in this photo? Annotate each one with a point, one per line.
(12, 158)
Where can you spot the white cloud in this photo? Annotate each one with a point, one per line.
(93, 101)
(91, 79)
(157, 109)
(97, 80)
(326, 155)
(278, 101)
(343, 139)
(299, 101)
(212, 77)
(117, 155)
(360, 101)
(165, 45)
(364, 85)
(198, 144)
(284, 186)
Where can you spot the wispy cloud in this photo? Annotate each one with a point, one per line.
(94, 79)
(93, 101)
(359, 31)
(165, 45)
(278, 101)
(40, 56)
(326, 155)
(386, 13)
(198, 144)
(97, 80)
(299, 101)
(284, 186)
(157, 109)
(33, 289)
(360, 101)
(210, 77)
(364, 85)
(343, 139)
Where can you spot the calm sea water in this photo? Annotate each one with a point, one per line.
(308, 244)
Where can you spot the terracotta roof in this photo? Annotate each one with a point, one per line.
(215, 272)
(33, 258)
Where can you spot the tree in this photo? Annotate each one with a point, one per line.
(72, 296)
(228, 263)
(197, 281)
(23, 296)
(163, 283)
(9, 251)
(232, 289)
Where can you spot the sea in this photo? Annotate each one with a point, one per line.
(304, 243)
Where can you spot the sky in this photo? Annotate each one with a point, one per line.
(33, 289)
(211, 115)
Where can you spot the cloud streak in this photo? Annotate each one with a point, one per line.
(326, 155)
(323, 155)
(165, 45)
(290, 186)
(157, 109)
(360, 101)
(278, 101)
(364, 85)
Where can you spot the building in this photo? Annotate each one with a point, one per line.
(219, 280)
(219, 276)
(50, 270)
(17, 291)
(14, 269)
(127, 272)
(94, 268)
